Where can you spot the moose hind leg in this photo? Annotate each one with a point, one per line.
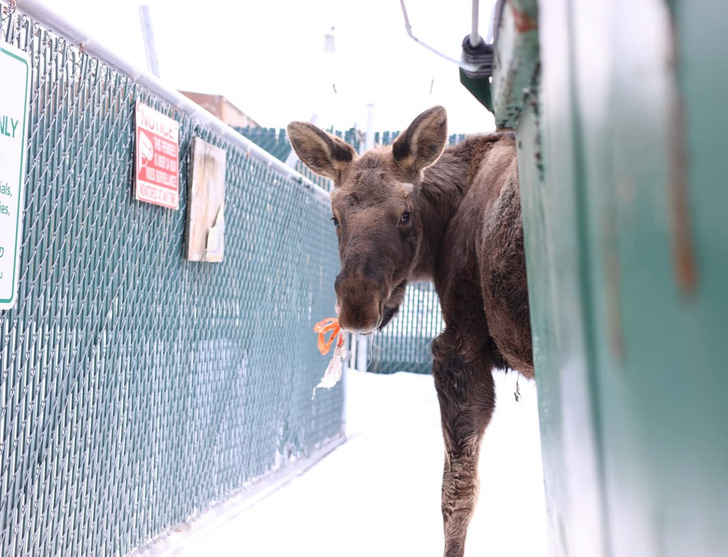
(466, 394)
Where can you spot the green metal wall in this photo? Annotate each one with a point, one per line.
(137, 388)
(625, 197)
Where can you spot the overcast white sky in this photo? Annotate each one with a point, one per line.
(267, 57)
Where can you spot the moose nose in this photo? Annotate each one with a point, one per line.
(359, 301)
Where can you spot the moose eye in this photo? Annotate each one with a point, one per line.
(405, 217)
(335, 221)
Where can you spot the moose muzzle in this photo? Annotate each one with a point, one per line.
(360, 302)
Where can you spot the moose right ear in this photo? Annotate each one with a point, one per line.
(323, 153)
(421, 144)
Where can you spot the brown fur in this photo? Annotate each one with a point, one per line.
(463, 231)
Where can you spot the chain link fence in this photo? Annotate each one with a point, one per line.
(137, 388)
(276, 143)
(405, 343)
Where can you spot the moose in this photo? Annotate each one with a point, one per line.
(418, 210)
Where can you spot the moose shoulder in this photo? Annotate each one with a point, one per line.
(420, 211)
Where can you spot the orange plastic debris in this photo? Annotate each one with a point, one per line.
(323, 327)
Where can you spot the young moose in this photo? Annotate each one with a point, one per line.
(414, 211)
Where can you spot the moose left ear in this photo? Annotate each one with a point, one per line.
(323, 153)
(421, 144)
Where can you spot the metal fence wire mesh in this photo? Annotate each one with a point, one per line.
(405, 344)
(136, 388)
(276, 143)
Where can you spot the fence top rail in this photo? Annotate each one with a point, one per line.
(66, 30)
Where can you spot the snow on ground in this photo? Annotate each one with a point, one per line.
(378, 494)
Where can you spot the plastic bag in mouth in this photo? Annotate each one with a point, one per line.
(333, 372)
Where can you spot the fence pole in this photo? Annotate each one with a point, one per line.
(150, 47)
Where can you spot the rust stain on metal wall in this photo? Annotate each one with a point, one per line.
(622, 195)
(685, 268)
(523, 21)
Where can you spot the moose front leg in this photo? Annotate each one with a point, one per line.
(466, 393)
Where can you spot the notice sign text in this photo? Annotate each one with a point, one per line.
(157, 158)
(15, 72)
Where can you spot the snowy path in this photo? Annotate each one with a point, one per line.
(378, 494)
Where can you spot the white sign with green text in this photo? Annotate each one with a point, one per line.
(15, 72)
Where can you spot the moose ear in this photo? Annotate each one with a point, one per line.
(421, 144)
(323, 153)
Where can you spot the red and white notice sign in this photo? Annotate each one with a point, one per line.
(157, 158)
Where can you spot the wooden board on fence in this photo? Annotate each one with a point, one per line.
(206, 206)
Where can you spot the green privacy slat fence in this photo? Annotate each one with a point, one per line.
(276, 143)
(405, 343)
(136, 388)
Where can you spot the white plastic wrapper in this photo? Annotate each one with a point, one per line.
(333, 372)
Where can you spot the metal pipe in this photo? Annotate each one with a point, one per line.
(464, 65)
(474, 37)
(361, 352)
(369, 137)
(150, 47)
(197, 114)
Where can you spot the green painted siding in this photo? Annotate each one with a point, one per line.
(627, 239)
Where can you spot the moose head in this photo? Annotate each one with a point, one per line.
(374, 207)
